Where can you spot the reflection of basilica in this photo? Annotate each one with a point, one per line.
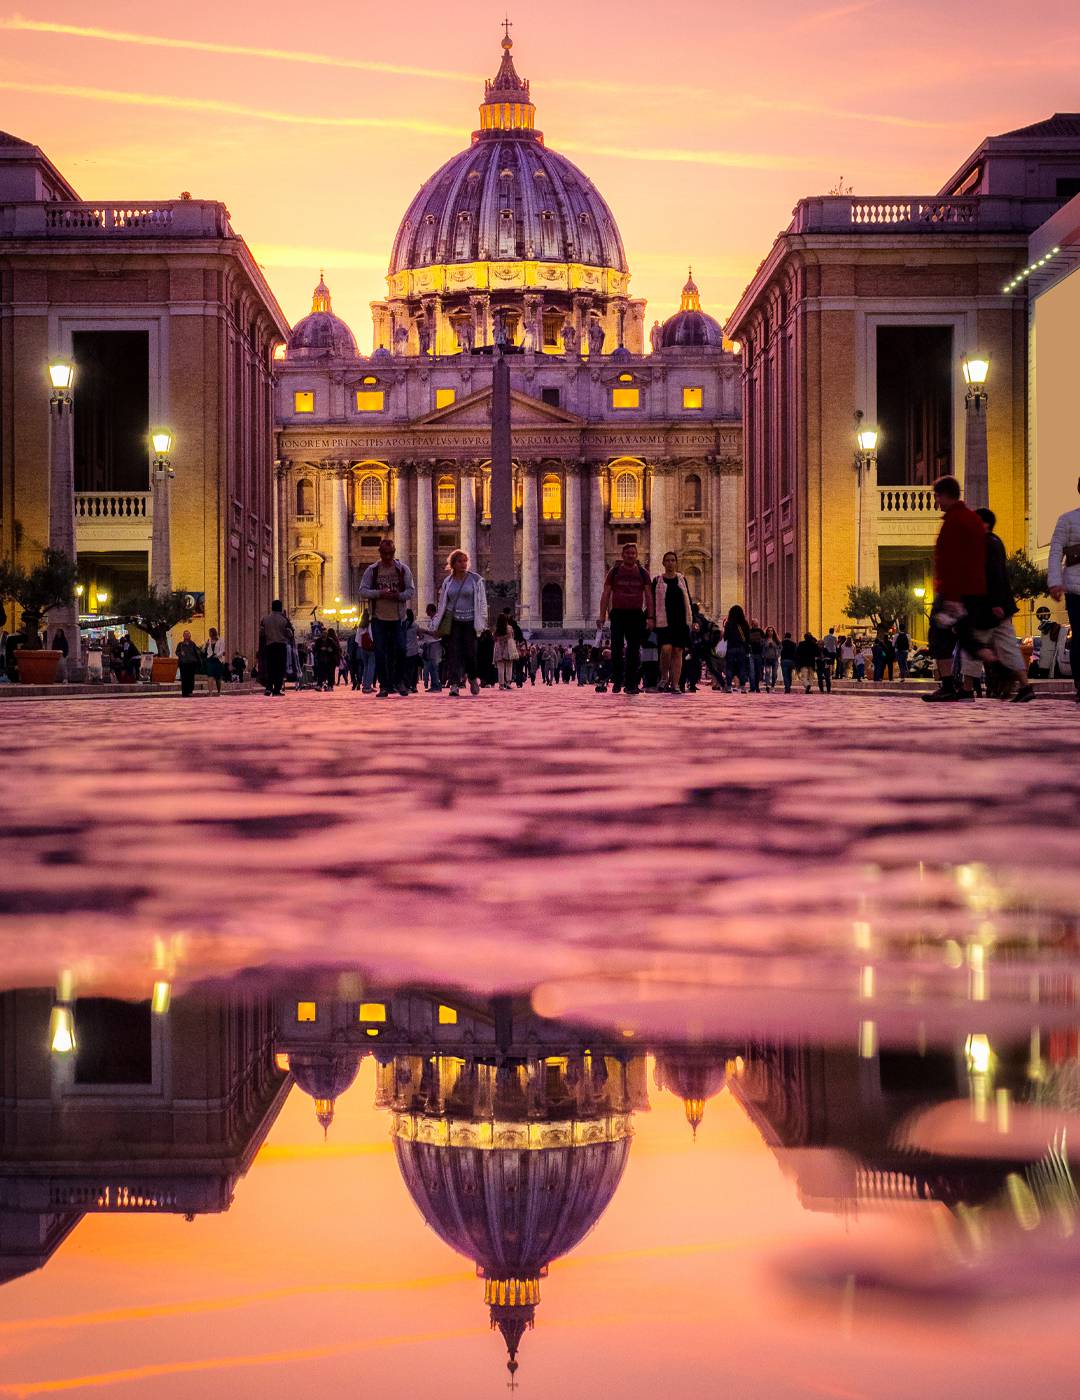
(611, 444)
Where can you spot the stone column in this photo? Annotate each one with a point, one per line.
(281, 530)
(469, 484)
(597, 538)
(659, 514)
(62, 520)
(479, 306)
(161, 475)
(425, 540)
(530, 545)
(341, 578)
(402, 522)
(717, 601)
(866, 562)
(732, 534)
(573, 606)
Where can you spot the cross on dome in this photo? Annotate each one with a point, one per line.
(320, 299)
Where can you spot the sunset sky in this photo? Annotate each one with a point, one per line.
(701, 121)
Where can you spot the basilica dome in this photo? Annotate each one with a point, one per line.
(325, 1075)
(321, 334)
(508, 197)
(690, 328)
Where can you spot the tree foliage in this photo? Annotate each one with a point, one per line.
(881, 607)
(1026, 579)
(157, 613)
(49, 584)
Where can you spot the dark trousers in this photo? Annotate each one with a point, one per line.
(824, 675)
(787, 670)
(188, 671)
(275, 659)
(627, 635)
(389, 639)
(1072, 607)
(461, 653)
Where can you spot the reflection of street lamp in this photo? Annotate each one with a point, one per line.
(62, 490)
(866, 440)
(161, 474)
(976, 368)
(62, 1017)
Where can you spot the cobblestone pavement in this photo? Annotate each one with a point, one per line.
(555, 836)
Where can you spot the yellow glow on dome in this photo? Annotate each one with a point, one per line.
(506, 1135)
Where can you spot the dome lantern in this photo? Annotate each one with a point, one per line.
(690, 328)
(507, 105)
(691, 297)
(321, 334)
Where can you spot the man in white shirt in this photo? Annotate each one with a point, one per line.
(1063, 579)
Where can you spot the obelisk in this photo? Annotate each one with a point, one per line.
(502, 589)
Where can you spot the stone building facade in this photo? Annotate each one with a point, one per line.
(169, 322)
(611, 444)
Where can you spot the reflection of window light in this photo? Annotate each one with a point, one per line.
(305, 1011)
(445, 397)
(369, 400)
(693, 396)
(372, 1011)
(447, 1016)
(304, 401)
(625, 398)
(281, 1062)
(61, 1031)
(977, 1053)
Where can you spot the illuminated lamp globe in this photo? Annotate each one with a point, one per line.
(976, 369)
(867, 439)
(162, 441)
(61, 374)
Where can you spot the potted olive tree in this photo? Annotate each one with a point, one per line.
(49, 584)
(157, 613)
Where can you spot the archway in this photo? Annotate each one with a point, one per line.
(551, 605)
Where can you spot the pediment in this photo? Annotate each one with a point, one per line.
(475, 412)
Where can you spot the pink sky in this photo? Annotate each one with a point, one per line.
(702, 122)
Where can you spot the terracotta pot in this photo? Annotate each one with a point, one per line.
(164, 669)
(38, 667)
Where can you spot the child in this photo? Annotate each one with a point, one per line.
(863, 657)
(506, 651)
(239, 666)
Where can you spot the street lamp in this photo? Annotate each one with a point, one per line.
(62, 491)
(920, 592)
(161, 474)
(866, 441)
(102, 598)
(976, 370)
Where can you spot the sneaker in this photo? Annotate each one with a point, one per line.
(454, 691)
(631, 690)
(384, 695)
(1023, 695)
(942, 695)
(615, 689)
(403, 690)
(474, 687)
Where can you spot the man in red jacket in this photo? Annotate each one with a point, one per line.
(959, 591)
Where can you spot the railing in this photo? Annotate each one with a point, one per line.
(112, 505)
(906, 500)
(909, 213)
(176, 218)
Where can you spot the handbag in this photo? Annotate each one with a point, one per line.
(447, 619)
(1070, 555)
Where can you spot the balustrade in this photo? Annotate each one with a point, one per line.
(112, 505)
(906, 500)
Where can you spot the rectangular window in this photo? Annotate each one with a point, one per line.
(372, 1011)
(693, 396)
(625, 398)
(303, 401)
(445, 397)
(550, 396)
(447, 1016)
(369, 400)
(112, 410)
(305, 1011)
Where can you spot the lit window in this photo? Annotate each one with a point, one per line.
(447, 1016)
(551, 496)
(305, 496)
(693, 396)
(624, 496)
(369, 379)
(303, 401)
(372, 1011)
(625, 398)
(305, 1011)
(370, 499)
(626, 379)
(446, 498)
(445, 397)
(370, 400)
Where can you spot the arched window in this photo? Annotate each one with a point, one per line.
(305, 587)
(692, 575)
(624, 496)
(446, 498)
(371, 498)
(692, 494)
(551, 497)
(305, 496)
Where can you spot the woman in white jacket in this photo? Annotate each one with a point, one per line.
(674, 614)
(214, 653)
(462, 599)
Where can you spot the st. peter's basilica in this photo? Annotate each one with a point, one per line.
(611, 444)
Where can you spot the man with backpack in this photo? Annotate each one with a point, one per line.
(388, 587)
(627, 600)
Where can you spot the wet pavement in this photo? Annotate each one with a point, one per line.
(712, 1043)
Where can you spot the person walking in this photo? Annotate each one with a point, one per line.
(770, 657)
(431, 651)
(825, 665)
(505, 651)
(959, 592)
(845, 657)
(877, 652)
(275, 637)
(214, 655)
(187, 654)
(754, 655)
(327, 655)
(788, 652)
(388, 586)
(996, 631)
(628, 598)
(830, 648)
(902, 647)
(412, 653)
(807, 653)
(460, 617)
(672, 610)
(736, 655)
(1063, 579)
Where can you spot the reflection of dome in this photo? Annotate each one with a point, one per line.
(690, 327)
(321, 335)
(692, 1078)
(507, 197)
(325, 1075)
(499, 1195)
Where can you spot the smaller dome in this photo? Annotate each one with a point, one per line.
(691, 328)
(325, 1075)
(321, 335)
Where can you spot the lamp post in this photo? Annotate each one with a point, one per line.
(161, 474)
(865, 463)
(62, 492)
(976, 369)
